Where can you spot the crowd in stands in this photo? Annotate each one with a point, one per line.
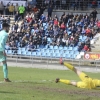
(37, 29)
(11, 9)
(69, 30)
(68, 4)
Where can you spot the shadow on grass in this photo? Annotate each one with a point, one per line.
(7, 92)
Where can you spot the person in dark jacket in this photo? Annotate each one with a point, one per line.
(50, 9)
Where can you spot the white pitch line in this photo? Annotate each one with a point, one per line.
(19, 81)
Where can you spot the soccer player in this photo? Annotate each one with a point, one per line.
(86, 81)
(3, 39)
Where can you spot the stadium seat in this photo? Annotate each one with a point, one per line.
(49, 40)
(46, 51)
(10, 52)
(39, 54)
(24, 53)
(65, 48)
(55, 47)
(66, 52)
(58, 55)
(71, 52)
(19, 52)
(43, 54)
(68, 56)
(70, 48)
(23, 49)
(33, 53)
(57, 51)
(75, 48)
(60, 48)
(53, 55)
(46, 46)
(44, 24)
(48, 54)
(63, 55)
(50, 47)
(6, 51)
(29, 53)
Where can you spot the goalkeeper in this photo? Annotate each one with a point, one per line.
(86, 81)
(3, 39)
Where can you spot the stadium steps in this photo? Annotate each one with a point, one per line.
(96, 46)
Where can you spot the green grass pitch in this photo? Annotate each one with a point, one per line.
(39, 84)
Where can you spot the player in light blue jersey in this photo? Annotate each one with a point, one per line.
(3, 40)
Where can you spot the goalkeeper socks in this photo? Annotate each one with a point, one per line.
(5, 71)
(69, 66)
(65, 81)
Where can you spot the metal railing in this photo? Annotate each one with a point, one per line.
(30, 59)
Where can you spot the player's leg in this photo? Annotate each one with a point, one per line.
(96, 82)
(68, 82)
(5, 71)
(80, 84)
(78, 72)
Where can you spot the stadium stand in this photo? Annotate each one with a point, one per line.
(38, 35)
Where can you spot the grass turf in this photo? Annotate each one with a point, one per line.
(39, 84)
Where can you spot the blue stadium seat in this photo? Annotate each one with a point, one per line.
(49, 40)
(23, 49)
(73, 56)
(43, 54)
(70, 48)
(46, 50)
(44, 24)
(50, 47)
(80, 38)
(67, 52)
(60, 48)
(68, 56)
(55, 47)
(65, 48)
(71, 52)
(63, 55)
(57, 51)
(46, 46)
(24, 53)
(58, 55)
(33, 53)
(48, 54)
(29, 53)
(39, 54)
(75, 48)
(19, 52)
(6, 51)
(53, 55)
(10, 52)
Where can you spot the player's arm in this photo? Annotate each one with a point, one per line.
(3, 42)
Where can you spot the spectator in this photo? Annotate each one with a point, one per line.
(94, 14)
(7, 9)
(16, 8)
(21, 11)
(1, 7)
(86, 48)
(16, 16)
(94, 3)
(44, 42)
(50, 9)
(11, 9)
(30, 46)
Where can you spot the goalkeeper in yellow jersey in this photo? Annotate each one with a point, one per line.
(86, 81)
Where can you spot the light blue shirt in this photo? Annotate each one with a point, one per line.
(3, 39)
